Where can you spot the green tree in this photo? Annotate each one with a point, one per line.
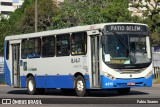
(3, 29)
(83, 12)
(151, 17)
(46, 10)
(22, 20)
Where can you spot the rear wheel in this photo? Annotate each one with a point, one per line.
(80, 86)
(123, 91)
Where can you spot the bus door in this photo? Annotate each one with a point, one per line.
(95, 61)
(15, 65)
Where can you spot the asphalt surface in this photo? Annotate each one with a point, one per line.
(55, 95)
(147, 92)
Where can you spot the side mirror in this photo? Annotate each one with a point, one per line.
(103, 40)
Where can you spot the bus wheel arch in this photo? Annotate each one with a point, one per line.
(80, 85)
(29, 75)
(31, 86)
(76, 75)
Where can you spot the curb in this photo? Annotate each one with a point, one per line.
(155, 85)
(3, 85)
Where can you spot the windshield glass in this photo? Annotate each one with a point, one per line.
(125, 49)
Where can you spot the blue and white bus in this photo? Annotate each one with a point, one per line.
(100, 56)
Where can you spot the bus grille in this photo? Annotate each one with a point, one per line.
(129, 71)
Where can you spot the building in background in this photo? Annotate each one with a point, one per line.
(139, 11)
(1, 64)
(6, 7)
(17, 4)
(1, 69)
(156, 61)
(57, 2)
(9, 6)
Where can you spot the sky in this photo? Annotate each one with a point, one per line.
(15, 0)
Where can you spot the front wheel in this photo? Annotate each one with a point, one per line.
(123, 91)
(80, 86)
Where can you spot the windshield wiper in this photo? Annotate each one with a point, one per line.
(121, 41)
(132, 58)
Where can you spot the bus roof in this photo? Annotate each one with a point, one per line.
(65, 30)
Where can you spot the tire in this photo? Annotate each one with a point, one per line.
(31, 86)
(123, 91)
(80, 86)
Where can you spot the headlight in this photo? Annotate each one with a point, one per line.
(148, 75)
(109, 76)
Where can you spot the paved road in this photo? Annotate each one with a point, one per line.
(135, 93)
(149, 92)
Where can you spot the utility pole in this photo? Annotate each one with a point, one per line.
(36, 15)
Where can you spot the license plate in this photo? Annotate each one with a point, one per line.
(130, 83)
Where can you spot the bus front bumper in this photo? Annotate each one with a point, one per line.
(125, 83)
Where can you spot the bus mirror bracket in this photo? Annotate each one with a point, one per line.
(103, 38)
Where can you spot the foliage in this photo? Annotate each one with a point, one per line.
(46, 10)
(79, 12)
(22, 20)
(151, 17)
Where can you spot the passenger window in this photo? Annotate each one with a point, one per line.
(79, 43)
(48, 46)
(7, 50)
(34, 48)
(24, 48)
(63, 45)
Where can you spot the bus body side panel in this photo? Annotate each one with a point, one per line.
(6, 69)
(55, 81)
(87, 79)
(23, 81)
(7, 74)
(54, 72)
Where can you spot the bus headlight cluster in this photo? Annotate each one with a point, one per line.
(109, 76)
(148, 75)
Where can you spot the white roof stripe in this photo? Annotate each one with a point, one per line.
(66, 30)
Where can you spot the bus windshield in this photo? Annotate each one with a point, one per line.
(126, 49)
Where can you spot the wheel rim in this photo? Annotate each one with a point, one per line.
(80, 86)
(30, 85)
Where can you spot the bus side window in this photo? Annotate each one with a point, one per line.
(63, 45)
(79, 43)
(48, 46)
(7, 50)
(24, 48)
(34, 48)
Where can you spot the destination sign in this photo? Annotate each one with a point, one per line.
(126, 28)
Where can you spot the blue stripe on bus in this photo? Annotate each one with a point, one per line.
(87, 79)
(67, 81)
(23, 81)
(57, 81)
(7, 75)
(54, 81)
(122, 83)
